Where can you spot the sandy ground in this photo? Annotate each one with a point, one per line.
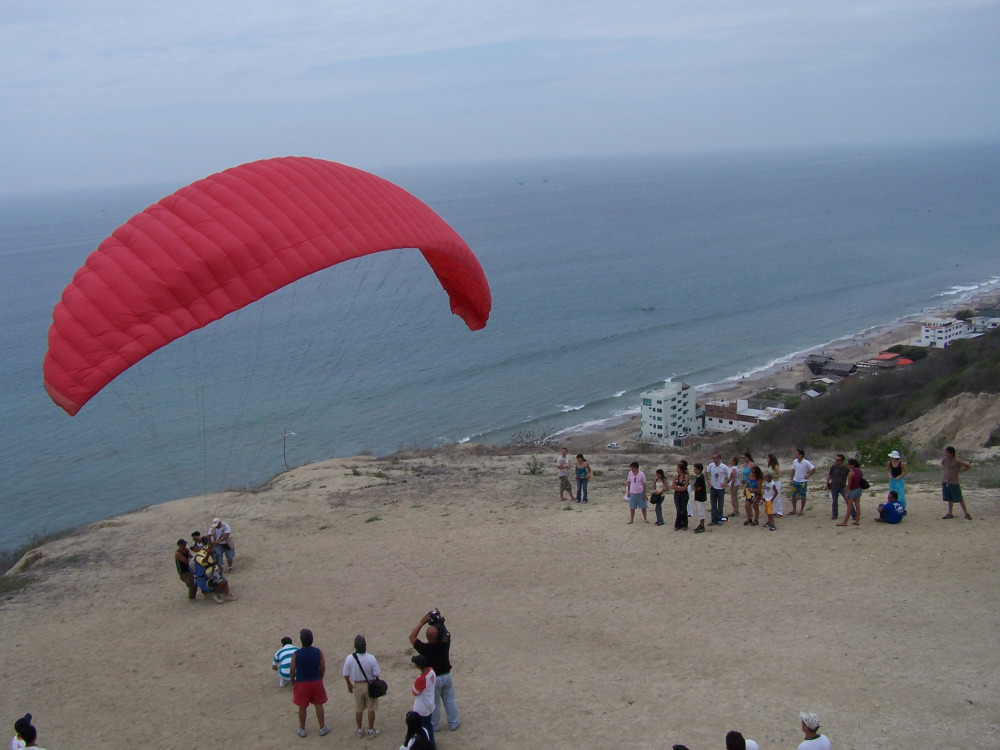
(571, 628)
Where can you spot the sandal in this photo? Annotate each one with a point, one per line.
(747, 522)
(968, 517)
(949, 515)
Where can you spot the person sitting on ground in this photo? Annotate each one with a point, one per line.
(282, 661)
(891, 511)
(810, 728)
(18, 741)
(416, 736)
(209, 579)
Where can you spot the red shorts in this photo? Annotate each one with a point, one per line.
(305, 693)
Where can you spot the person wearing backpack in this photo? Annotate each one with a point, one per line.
(855, 482)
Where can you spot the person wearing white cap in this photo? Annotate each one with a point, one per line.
(222, 544)
(897, 477)
(810, 728)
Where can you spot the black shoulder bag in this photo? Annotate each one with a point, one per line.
(376, 687)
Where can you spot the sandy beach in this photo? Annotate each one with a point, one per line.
(570, 627)
(786, 376)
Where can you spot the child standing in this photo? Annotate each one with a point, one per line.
(700, 497)
(770, 494)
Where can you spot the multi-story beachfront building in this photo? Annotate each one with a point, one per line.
(939, 332)
(667, 413)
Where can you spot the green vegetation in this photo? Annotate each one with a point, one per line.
(916, 353)
(863, 409)
(873, 452)
(534, 465)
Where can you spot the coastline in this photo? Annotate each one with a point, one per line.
(786, 372)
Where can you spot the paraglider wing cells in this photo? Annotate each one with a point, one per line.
(224, 242)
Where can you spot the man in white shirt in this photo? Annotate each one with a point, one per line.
(359, 669)
(718, 475)
(810, 728)
(563, 465)
(223, 547)
(802, 469)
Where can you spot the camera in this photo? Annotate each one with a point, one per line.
(435, 618)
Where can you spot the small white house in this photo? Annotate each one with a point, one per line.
(986, 320)
(667, 413)
(736, 416)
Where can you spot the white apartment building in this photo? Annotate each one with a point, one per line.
(667, 412)
(939, 332)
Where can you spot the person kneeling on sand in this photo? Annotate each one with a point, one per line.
(282, 661)
(891, 511)
(209, 579)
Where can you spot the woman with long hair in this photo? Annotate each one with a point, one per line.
(656, 498)
(854, 478)
(755, 486)
(897, 477)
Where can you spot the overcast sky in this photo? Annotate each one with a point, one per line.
(104, 92)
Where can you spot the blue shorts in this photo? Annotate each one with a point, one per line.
(951, 493)
(636, 501)
(798, 490)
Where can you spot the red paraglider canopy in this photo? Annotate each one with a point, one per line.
(223, 242)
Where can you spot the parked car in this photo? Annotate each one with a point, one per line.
(612, 445)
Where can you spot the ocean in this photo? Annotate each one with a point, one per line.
(608, 276)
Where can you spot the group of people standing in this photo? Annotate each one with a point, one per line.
(304, 668)
(700, 491)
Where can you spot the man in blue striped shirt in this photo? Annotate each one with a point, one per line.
(282, 661)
